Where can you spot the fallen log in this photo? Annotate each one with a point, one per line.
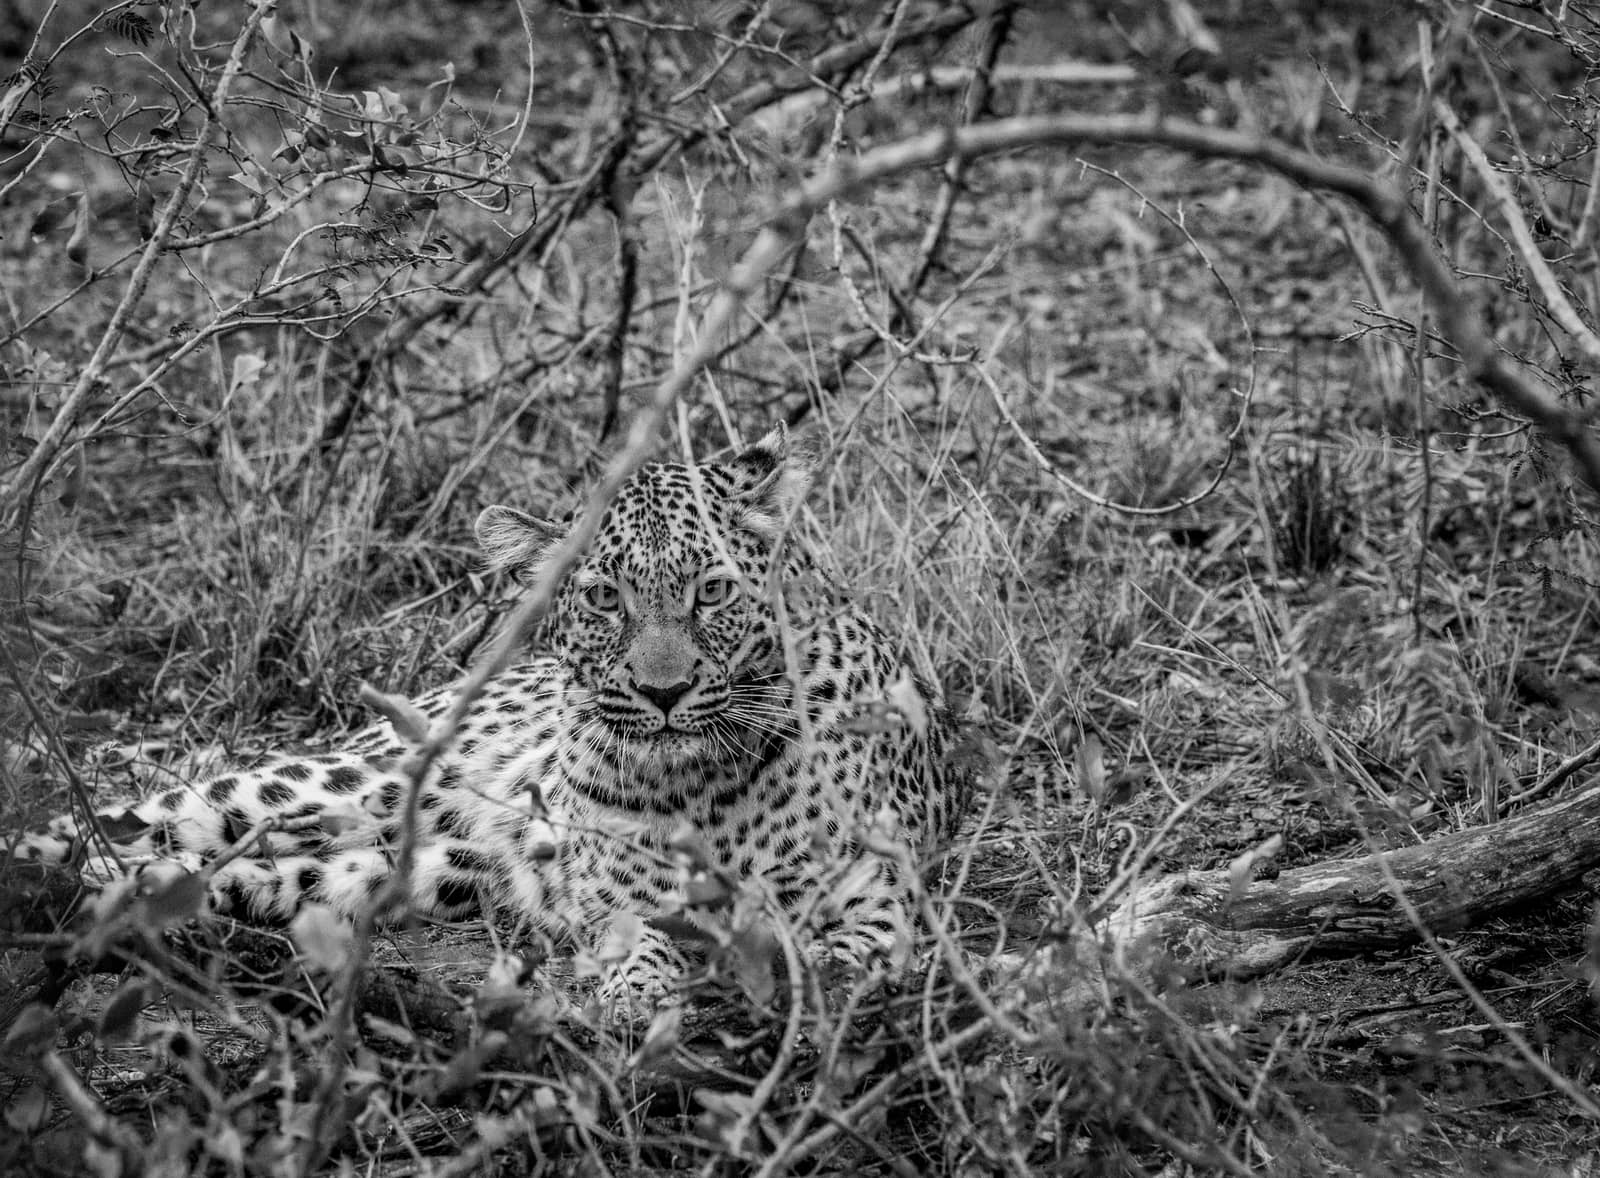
(1209, 924)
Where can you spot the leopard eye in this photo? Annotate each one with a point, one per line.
(716, 591)
(602, 596)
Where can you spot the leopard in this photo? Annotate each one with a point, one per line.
(707, 714)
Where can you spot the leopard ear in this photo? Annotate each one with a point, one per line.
(515, 541)
(779, 478)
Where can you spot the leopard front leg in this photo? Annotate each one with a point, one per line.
(851, 890)
(646, 979)
(862, 921)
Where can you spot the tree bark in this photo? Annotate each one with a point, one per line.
(1206, 926)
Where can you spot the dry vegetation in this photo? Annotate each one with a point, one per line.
(1241, 540)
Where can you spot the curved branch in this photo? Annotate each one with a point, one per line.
(1382, 201)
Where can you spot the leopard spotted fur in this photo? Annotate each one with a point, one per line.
(701, 693)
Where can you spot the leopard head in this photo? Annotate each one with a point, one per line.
(668, 624)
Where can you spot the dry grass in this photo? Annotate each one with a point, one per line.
(1341, 643)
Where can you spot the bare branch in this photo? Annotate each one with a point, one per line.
(1382, 201)
(1527, 249)
(37, 465)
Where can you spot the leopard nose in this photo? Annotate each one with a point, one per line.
(664, 695)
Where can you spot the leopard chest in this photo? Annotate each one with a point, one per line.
(636, 856)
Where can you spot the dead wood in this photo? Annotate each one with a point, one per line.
(1209, 927)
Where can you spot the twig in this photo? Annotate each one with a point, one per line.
(1419, 361)
(745, 40)
(860, 91)
(627, 290)
(1573, 764)
(1527, 249)
(47, 450)
(616, 192)
(950, 77)
(1077, 488)
(537, 237)
(975, 103)
(835, 62)
(899, 353)
(250, 841)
